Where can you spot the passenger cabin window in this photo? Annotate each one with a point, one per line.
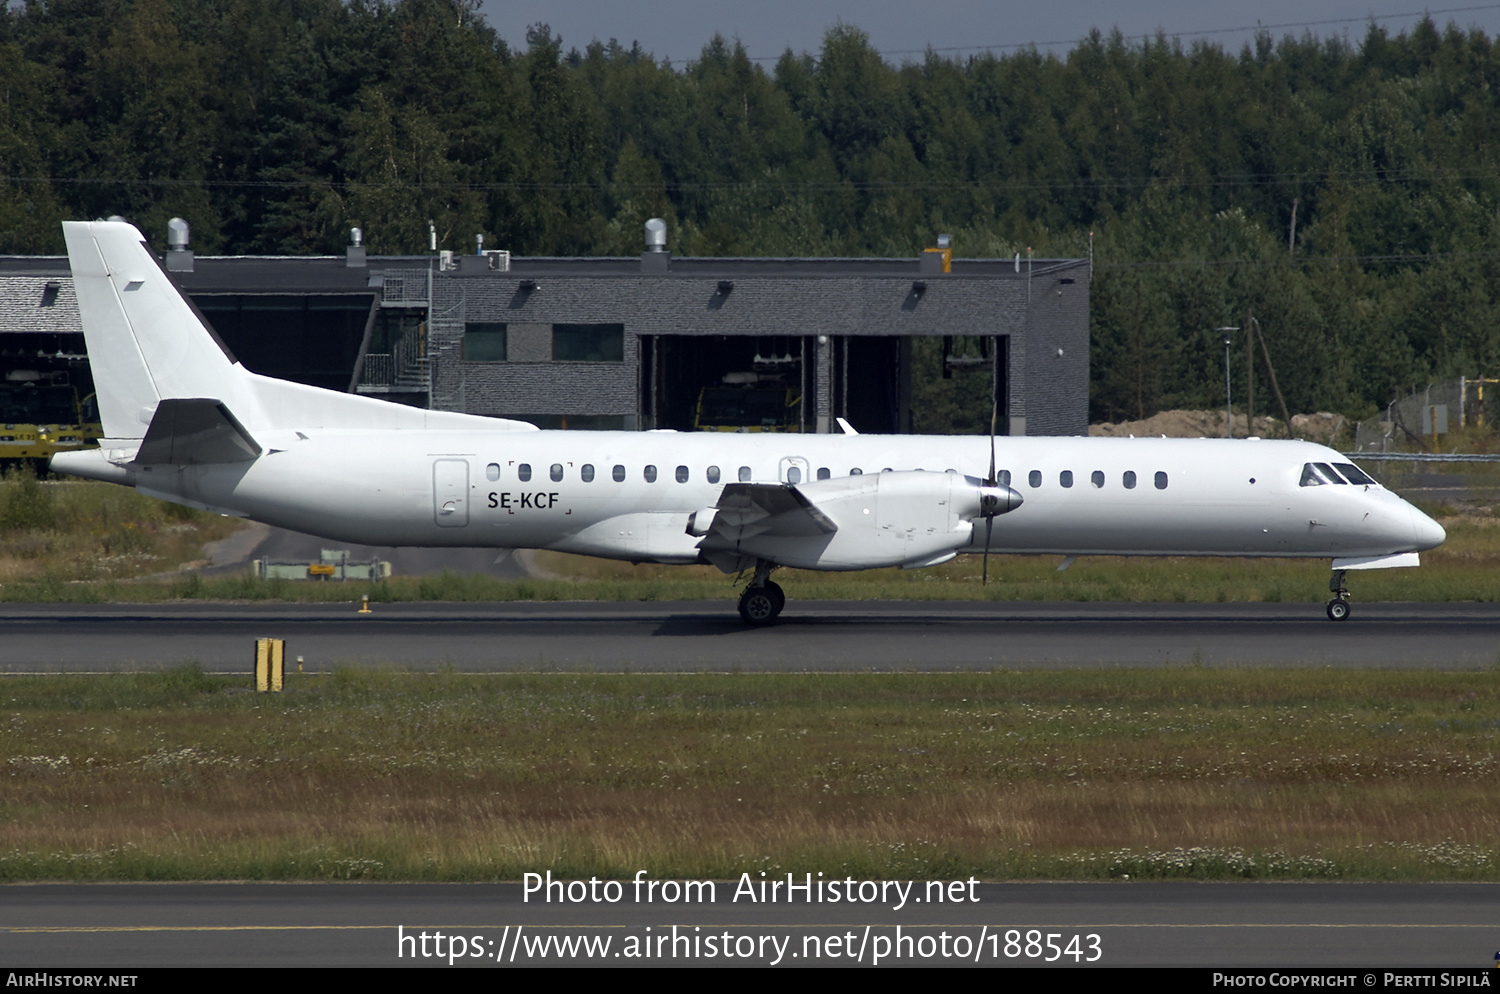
(1065, 478)
(586, 472)
(1003, 477)
(618, 474)
(793, 474)
(1128, 480)
(823, 473)
(650, 474)
(1161, 481)
(1354, 474)
(856, 471)
(682, 474)
(1034, 478)
(1097, 479)
(492, 472)
(713, 474)
(556, 472)
(523, 472)
(744, 474)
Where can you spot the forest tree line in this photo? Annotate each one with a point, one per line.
(1344, 192)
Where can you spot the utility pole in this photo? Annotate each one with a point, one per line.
(1271, 372)
(1228, 334)
(1249, 374)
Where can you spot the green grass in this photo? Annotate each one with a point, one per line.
(1162, 774)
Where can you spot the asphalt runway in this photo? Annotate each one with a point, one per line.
(708, 636)
(1363, 927)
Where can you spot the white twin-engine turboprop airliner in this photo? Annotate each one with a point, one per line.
(185, 422)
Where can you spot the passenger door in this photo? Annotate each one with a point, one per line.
(450, 492)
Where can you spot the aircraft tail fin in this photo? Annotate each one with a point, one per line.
(148, 344)
(145, 339)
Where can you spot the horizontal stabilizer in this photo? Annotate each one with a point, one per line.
(195, 431)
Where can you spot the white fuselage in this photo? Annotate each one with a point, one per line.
(465, 488)
(185, 421)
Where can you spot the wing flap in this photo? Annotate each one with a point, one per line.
(749, 510)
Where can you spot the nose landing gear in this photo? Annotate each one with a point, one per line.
(1338, 607)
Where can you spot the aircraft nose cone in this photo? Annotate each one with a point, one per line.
(1429, 533)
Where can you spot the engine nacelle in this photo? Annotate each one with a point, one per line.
(912, 518)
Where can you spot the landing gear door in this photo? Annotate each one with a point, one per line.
(794, 470)
(450, 492)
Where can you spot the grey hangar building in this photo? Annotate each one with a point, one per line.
(630, 343)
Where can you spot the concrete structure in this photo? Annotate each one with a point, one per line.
(626, 343)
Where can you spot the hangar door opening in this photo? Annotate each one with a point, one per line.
(789, 383)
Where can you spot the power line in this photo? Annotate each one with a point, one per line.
(1281, 260)
(1257, 27)
(1053, 185)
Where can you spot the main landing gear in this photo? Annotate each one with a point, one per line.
(1338, 608)
(762, 601)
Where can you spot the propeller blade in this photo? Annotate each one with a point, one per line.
(994, 414)
(989, 525)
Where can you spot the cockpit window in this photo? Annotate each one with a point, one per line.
(1312, 476)
(1354, 474)
(1329, 472)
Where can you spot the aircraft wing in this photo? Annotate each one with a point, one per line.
(747, 510)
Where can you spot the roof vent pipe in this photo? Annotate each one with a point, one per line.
(354, 252)
(177, 234)
(479, 244)
(179, 256)
(656, 235)
(656, 258)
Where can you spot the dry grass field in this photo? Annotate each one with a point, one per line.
(1182, 772)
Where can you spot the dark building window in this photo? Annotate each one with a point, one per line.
(484, 341)
(588, 342)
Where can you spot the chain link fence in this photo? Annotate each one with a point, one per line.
(1410, 446)
(1417, 422)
